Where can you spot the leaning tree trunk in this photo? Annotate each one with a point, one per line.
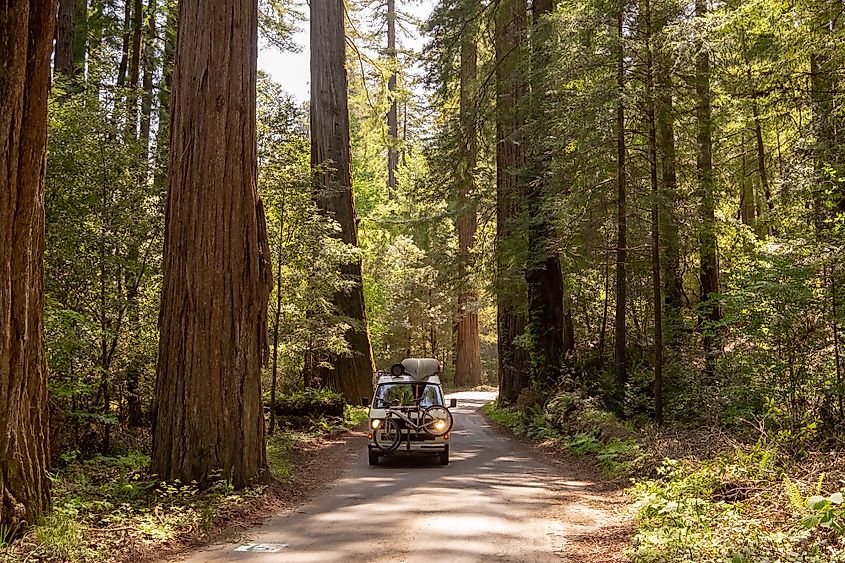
(510, 193)
(331, 163)
(467, 341)
(213, 319)
(25, 48)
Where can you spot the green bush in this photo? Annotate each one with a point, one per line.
(737, 508)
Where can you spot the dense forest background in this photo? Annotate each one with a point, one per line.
(684, 151)
(636, 205)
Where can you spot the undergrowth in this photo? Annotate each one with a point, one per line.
(616, 456)
(773, 501)
(108, 506)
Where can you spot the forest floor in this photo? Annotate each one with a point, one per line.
(500, 499)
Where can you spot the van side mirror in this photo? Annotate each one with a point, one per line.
(453, 403)
(365, 401)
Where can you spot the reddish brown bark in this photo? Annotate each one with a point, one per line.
(467, 342)
(217, 276)
(25, 47)
(331, 162)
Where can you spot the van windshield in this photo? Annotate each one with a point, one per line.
(408, 394)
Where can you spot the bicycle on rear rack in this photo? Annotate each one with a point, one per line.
(436, 421)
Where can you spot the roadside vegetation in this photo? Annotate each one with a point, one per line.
(110, 508)
(703, 494)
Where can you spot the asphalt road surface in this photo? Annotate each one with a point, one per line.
(495, 501)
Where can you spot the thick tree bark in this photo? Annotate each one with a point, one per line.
(708, 257)
(467, 342)
(510, 193)
(543, 274)
(26, 44)
(621, 211)
(392, 116)
(63, 59)
(216, 272)
(331, 164)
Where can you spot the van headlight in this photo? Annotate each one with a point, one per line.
(375, 423)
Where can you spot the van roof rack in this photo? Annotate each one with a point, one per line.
(423, 370)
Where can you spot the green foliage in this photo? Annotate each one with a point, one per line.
(310, 403)
(827, 512)
(277, 457)
(62, 538)
(354, 416)
(617, 455)
(104, 216)
(729, 508)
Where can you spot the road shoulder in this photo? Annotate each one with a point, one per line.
(597, 522)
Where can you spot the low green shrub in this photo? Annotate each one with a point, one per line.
(737, 507)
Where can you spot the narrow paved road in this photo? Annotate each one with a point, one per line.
(495, 501)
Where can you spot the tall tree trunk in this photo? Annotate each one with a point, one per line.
(708, 257)
(747, 197)
(124, 49)
(216, 272)
(64, 57)
(543, 274)
(467, 341)
(665, 116)
(331, 164)
(657, 293)
(80, 44)
(274, 374)
(134, 69)
(164, 97)
(392, 116)
(621, 211)
(26, 44)
(510, 193)
(149, 66)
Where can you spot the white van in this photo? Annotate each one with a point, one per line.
(408, 415)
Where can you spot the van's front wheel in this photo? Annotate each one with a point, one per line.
(444, 456)
(373, 457)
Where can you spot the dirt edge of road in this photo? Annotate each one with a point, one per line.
(316, 464)
(602, 538)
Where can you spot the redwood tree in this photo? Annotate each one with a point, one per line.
(351, 374)
(510, 193)
(543, 273)
(25, 48)
(467, 341)
(217, 275)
